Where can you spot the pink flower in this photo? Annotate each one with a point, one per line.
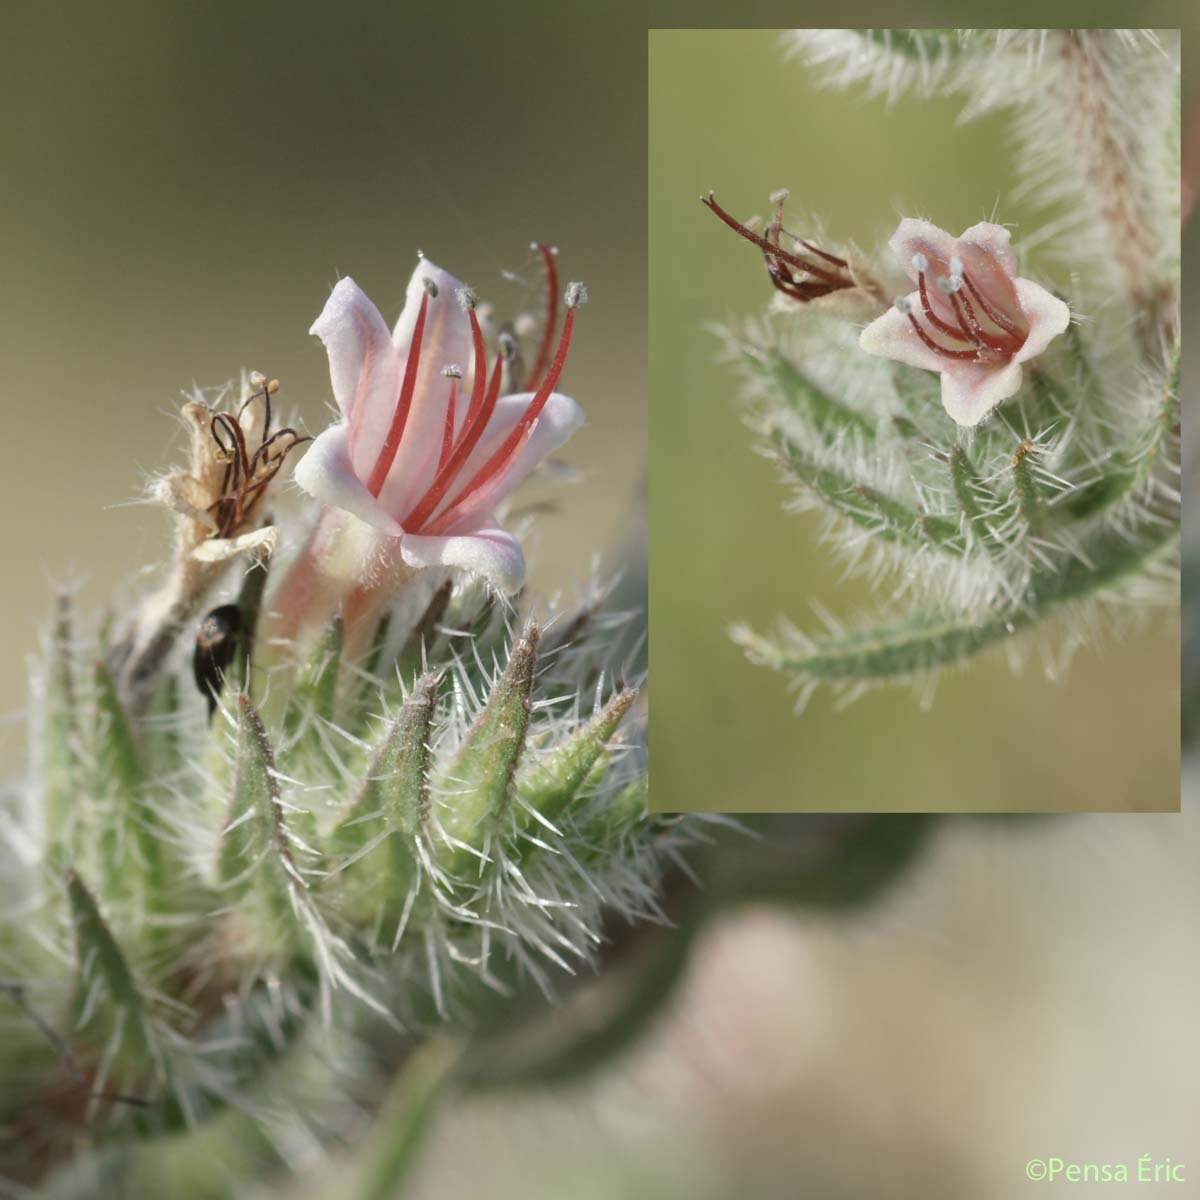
(420, 455)
(971, 318)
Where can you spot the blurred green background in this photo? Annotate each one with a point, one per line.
(183, 183)
(729, 112)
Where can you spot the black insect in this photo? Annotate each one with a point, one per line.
(217, 645)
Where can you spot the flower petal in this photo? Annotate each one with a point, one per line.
(363, 367)
(971, 390)
(446, 342)
(892, 336)
(996, 241)
(327, 473)
(558, 420)
(489, 552)
(913, 236)
(1046, 314)
(985, 254)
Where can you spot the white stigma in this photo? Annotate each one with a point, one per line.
(902, 305)
(920, 262)
(780, 196)
(952, 284)
(956, 268)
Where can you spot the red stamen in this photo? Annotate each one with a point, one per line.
(448, 430)
(942, 350)
(997, 318)
(933, 319)
(478, 415)
(772, 247)
(978, 335)
(833, 258)
(543, 354)
(479, 371)
(517, 436)
(391, 444)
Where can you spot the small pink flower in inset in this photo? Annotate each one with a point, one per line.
(420, 456)
(978, 322)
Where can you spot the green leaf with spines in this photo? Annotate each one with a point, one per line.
(552, 782)
(609, 823)
(924, 640)
(803, 396)
(255, 856)
(1031, 498)
(133, 852)
(108, 1001)
(866, 506)
(968, 489)
(375, 836)
(919, 45)
(61, 765)
(479, 779)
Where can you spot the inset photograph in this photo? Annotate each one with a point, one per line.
(914, 420)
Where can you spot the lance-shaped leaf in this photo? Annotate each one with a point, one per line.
(884, 516)
(109, 1007)
(62, 782)
(133, 851)
(924, 641)
(1031, 500)
(476, 787)
(255, 856)
(975, 499)
(815, 404)
(375, 839)
(548, 785)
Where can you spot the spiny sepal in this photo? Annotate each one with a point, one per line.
(554, 779)
(375, 838)
(474, 792)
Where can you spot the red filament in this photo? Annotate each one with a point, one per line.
(391, 443)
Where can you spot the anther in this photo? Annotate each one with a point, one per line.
(902, 305)
(577, 294)
(956, 267)
(452, 371)
(920, 262)
(467, 298)
(430, 287)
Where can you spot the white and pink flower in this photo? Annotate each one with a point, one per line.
(419, 455)
(972, 319)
